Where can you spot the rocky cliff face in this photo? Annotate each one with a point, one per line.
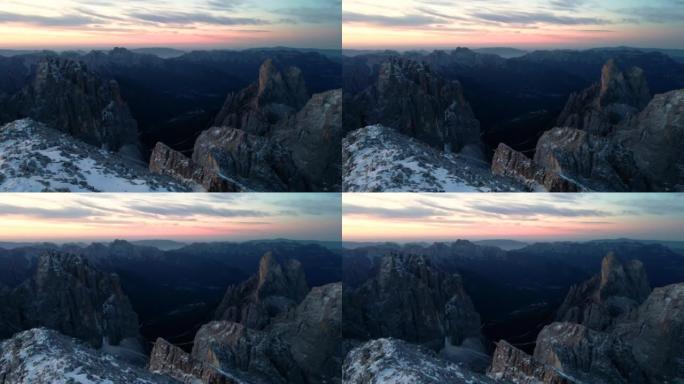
(619, 341)
(656, 136)
(589, 162)
(313, 331)
(314, 136)
(68, 295)
(63, 94)
(509, 364)
(276, 333)
(656, 336)
(273, 290)
(248, 161)
(607, 298)
(42, 356)
(573, 160)
(609, 138)
(226, 352)
(268, 137)
(600, 108)
(407, 96)
(411, 300)
(265, 103)
(395, 361)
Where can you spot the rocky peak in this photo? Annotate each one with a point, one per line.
(67, 97)
(511, 364)
(600, 108)
(607, 298)
(68, 295)
(628, 280)
(285, 87)
(232, 347)
(274, 97)
(246, 161)
(411, 300)
(587, 355)
(409, 97)
(274, 289)
(313, 332)
(628, 87)
(281, 279)
(167, 359)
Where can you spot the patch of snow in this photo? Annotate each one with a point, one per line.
(380, 159)
(35, 158)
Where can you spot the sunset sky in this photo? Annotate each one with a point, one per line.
(189, 24)
(410, 24)
(403, 217)
(183, 217)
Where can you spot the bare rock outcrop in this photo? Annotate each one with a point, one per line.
(656, 136)
(275, 289)
(270, 136)
(573, 160)
(314, 137)
(510, 364)
(610, 137)
(63, 94)
(169, 360)
(68, 295)
(313, 331)
(409, 97)
(636, 345)
(260, 106)
(601, 107)
(411, 300)
(602, 301)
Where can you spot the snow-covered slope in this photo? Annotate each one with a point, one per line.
(394, 361)
(377, 159)
(42, 356)
(35, 158)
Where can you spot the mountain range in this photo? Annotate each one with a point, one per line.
(169, 115)
(557, 120)
(284, 311)
(112, 307)
(584, 313)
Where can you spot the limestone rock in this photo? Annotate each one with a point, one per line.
(607, 298)
(273, 290)
(410, 98)
(63, 94)
(233, 347)
(411, 300)
(167, 359)
(68, 295)
(601, 107)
